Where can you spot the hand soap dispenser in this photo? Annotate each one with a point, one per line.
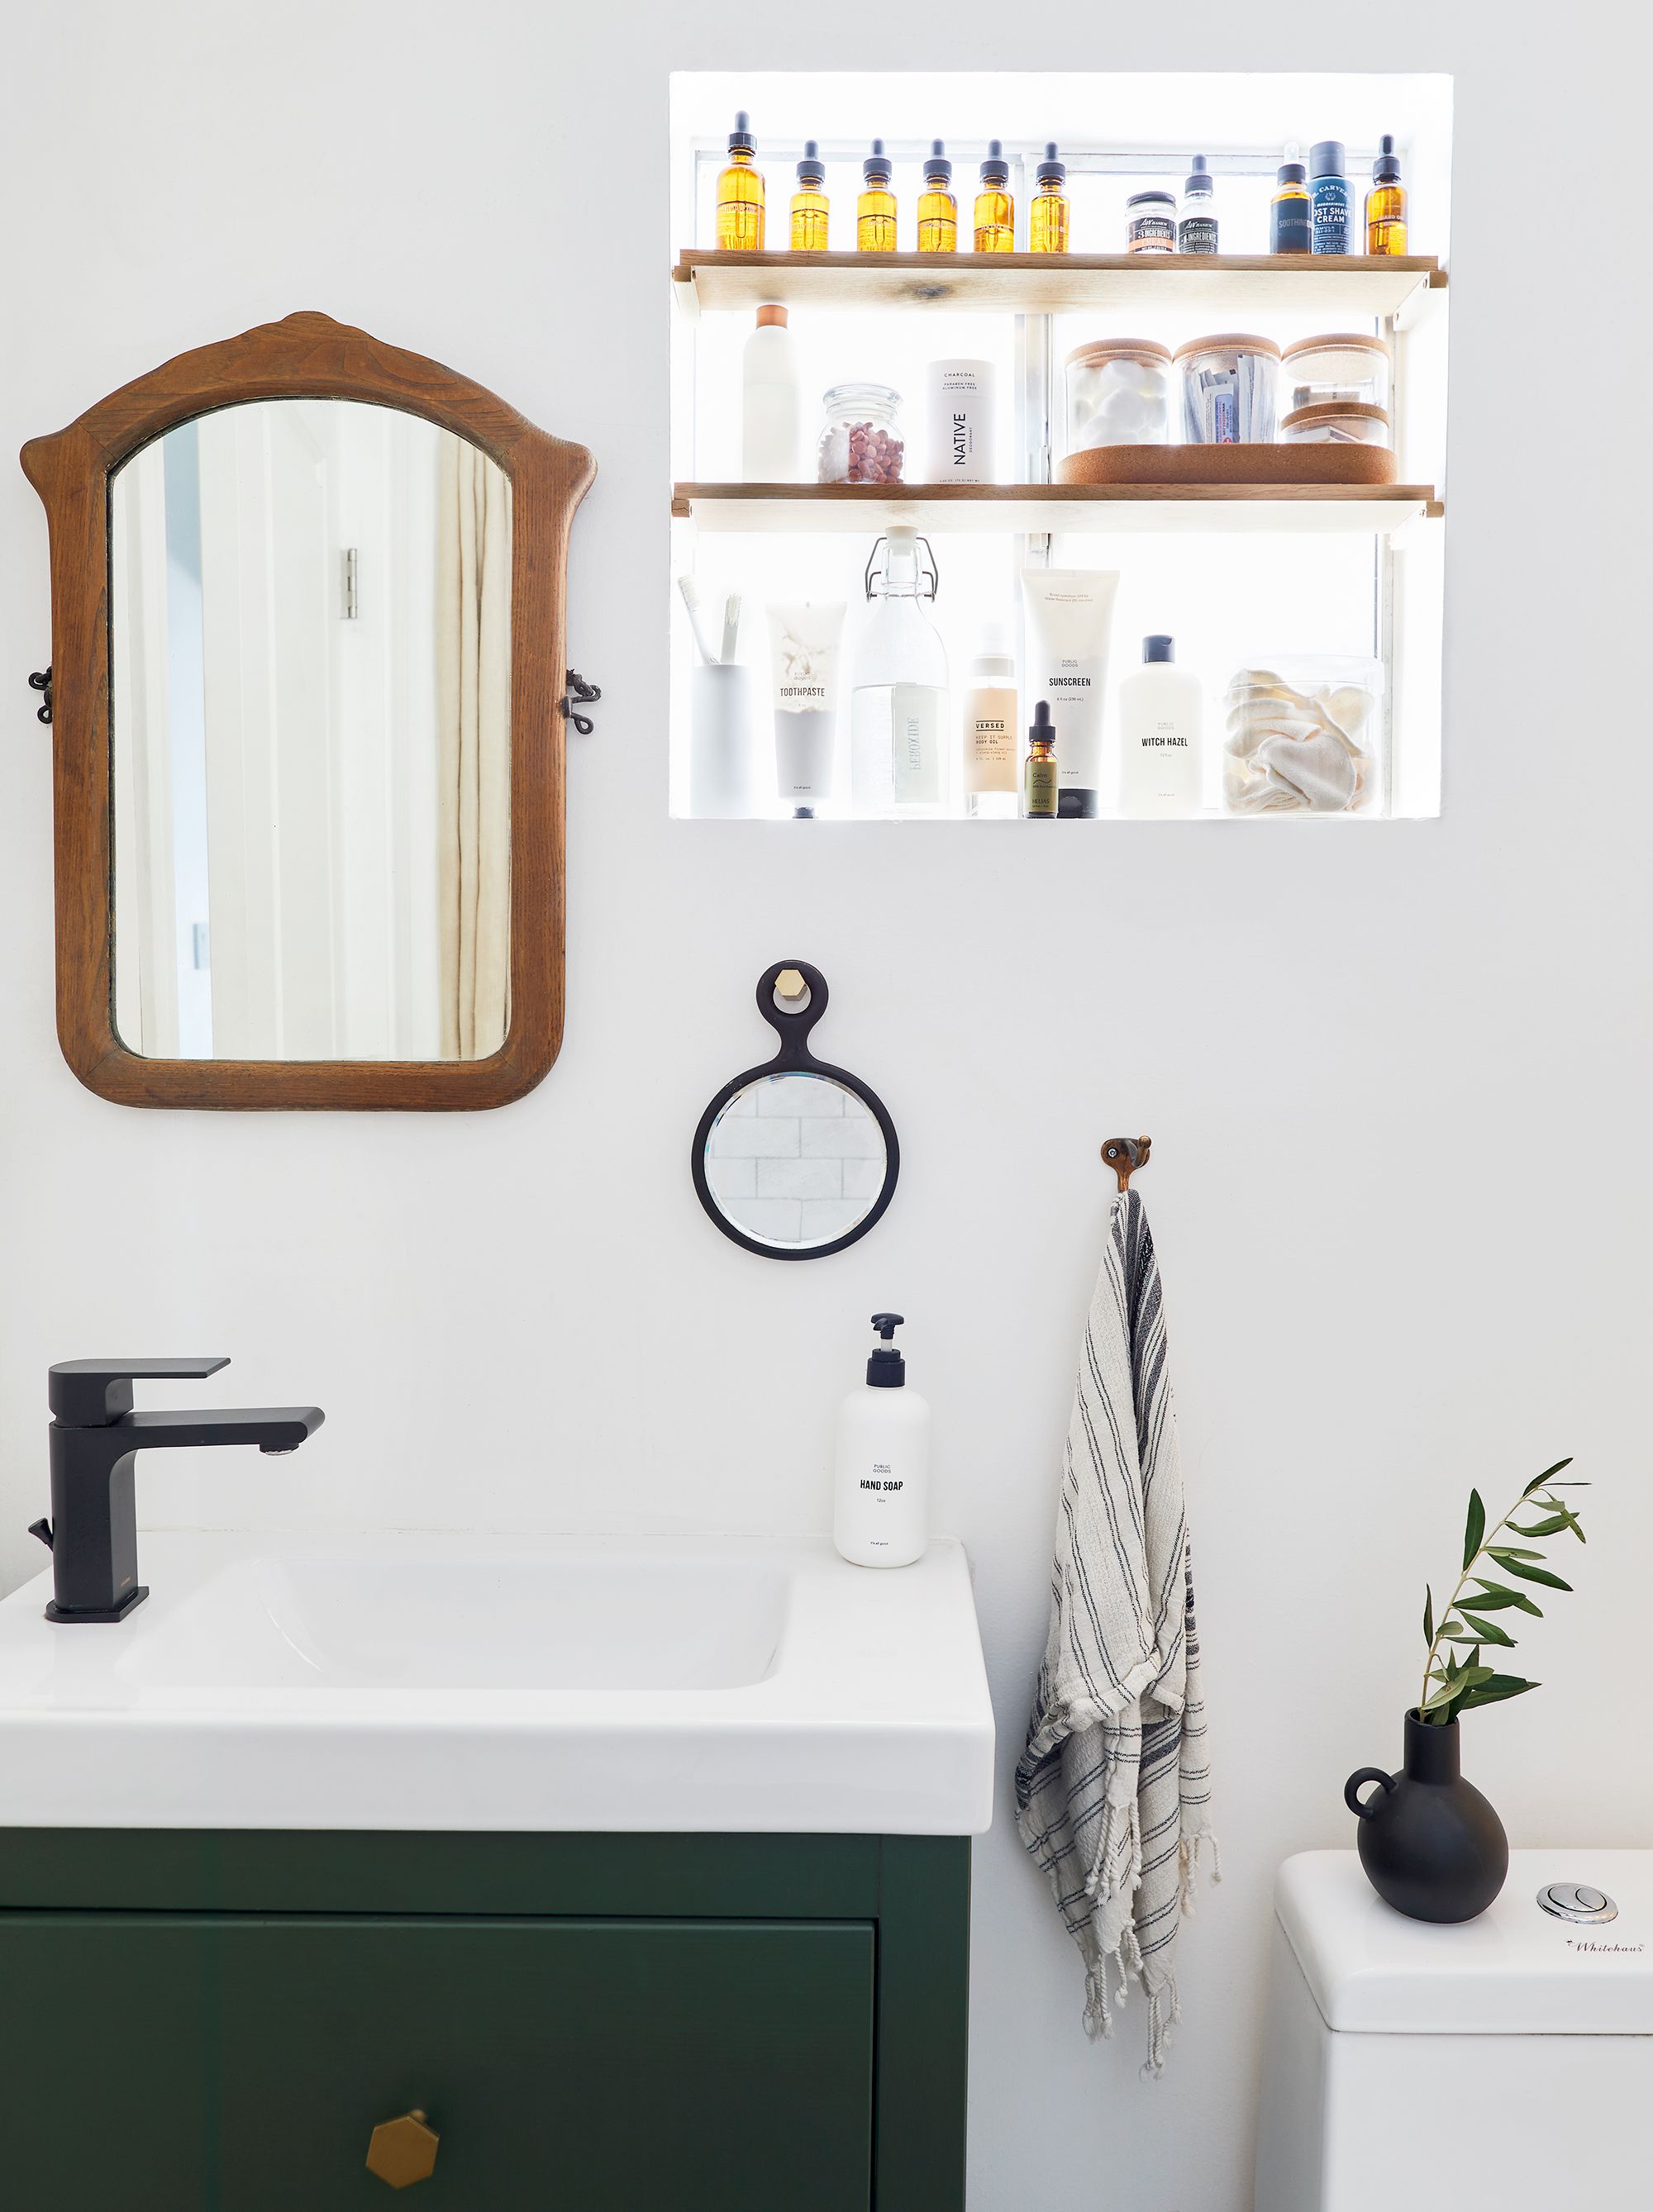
(881, 1503)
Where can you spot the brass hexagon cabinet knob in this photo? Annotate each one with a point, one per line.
(403, 2151)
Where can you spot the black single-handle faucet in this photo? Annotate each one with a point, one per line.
(95, 1439)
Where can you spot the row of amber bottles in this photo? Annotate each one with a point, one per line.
(740, 208)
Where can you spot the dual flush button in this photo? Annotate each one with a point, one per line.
(1572, 1901)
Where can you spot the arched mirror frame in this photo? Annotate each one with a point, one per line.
(792, 1026)
(307, 356)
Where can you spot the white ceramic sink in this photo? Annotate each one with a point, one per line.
(391, 1681)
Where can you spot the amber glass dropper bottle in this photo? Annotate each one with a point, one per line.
(740, 195)
(995, 210)
(875, 211)
(1046, 219)
(1386, 203)
(809, 203)
(1040, 779)
(937, 211)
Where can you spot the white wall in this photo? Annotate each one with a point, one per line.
(1396, 1078)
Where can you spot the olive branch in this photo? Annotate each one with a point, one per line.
(1460, 1686)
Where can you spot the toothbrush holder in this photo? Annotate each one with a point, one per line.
(724, 703)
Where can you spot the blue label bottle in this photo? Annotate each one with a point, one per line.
(1328, 197)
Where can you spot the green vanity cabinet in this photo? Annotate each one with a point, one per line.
(192, 2022)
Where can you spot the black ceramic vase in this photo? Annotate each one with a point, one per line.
(1431, 1846)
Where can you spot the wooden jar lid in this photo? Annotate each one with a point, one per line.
(1099, 350)
(1229, 342)
(1326, 411)
(1338, 342)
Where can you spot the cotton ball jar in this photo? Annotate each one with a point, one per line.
(1118, 394)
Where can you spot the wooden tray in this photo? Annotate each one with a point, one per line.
(1300, 462)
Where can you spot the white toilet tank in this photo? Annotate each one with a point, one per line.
(1504, 2063)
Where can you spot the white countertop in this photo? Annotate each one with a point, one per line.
(398, 1680)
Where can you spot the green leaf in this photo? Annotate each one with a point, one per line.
(1538, 1481)
(1493, 1597)
(1474, 1528)
(1508, 1552)
(1443, 1695)
(1552, 1527)
(1429, 1615)
(1490, 1630)
(1531, 1574)
(1494, 1691)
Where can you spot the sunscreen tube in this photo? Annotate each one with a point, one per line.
(1070, 612)
(803, 669)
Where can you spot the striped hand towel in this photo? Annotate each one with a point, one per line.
(1113, 1790)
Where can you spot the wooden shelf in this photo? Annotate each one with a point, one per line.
(1035, 508)
(1363, 285)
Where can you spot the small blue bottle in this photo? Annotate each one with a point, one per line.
(1328, 197)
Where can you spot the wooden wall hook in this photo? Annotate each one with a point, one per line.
(1124, 1155)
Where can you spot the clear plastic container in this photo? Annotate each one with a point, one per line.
(1228, 390)
(859, 442)
(1305, 735)
(1345, 365)
(1119, 393)
(1338, 423)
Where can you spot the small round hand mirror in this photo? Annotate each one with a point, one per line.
(794, 1159)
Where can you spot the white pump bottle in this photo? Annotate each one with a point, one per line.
(881, 1501)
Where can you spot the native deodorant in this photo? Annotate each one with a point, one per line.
(959, 422)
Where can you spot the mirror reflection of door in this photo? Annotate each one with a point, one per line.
(311, 732)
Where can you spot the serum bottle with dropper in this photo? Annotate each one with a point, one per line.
(875, 211)
(995, 210)
(809, 203)
(740, 194)
(1040, 777)
(937, 211)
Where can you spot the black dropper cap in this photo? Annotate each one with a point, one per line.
(1291, 173)
(886, 1368)
(1199, 178)
(812, 170)
(1159, 647)
(995, 170)
(1042, 730)
(938, 170)
(876, 167)
(740, 138)
(1050, 171)
(1326, 158)
(1386, 169)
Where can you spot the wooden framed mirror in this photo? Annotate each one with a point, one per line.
(308, 692)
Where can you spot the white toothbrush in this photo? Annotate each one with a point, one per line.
(691, 600)
(732, 626)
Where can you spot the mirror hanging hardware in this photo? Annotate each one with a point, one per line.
(932, 572)
(1124, 1155)
(41, 682)
(587, 695)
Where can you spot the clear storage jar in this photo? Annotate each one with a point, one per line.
(1229, 390)
(1303, 734)
(1347, 365)
(1119, 393)
(1150, 223)
(1338, 423)
(859, 442)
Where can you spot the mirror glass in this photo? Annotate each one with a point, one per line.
(310, 715)
(795, 1161)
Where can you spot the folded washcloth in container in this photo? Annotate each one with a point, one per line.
(1113, 1791)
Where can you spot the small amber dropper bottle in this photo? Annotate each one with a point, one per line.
(1040, 781)
(875, 211)
(740, 195)
(937, 211)
(995, 210)
(1046, 219)
(809, 203)
(1386, 203)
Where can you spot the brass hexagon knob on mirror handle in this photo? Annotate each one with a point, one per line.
(403, 2150)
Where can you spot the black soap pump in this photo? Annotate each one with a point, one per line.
(880, 1506)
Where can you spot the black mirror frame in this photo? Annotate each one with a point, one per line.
(795, 1058)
